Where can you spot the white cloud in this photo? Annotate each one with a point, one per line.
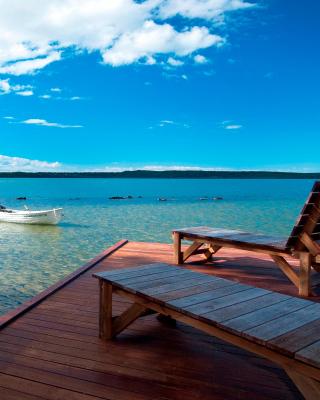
(56, 89)
(22, 90)
(35, 33)
(231, 127)
(5, 86)
(169, 122)
(153, 38)
(43, 122)
(199, 59)
(175, 63)
(155, 167)
(184, 76)
(166, 122)
(13, 164)
(25, 93)
(175, 168)
(206, 9)
(8, 117)
(29, 66)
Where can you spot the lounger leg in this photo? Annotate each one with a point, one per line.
(110, 326)
(287, 269)
(310, 388)
(134, 312)
(105, 314)
(178, 256)
(212, 249)
(305, 271)
(191, 250)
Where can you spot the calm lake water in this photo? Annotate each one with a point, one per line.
(34, 257)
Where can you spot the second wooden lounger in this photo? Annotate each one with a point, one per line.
(302, 244)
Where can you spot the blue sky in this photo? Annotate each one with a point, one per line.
(159, 84)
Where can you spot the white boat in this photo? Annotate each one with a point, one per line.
(43, 217)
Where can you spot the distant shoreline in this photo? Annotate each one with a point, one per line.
(142, 174)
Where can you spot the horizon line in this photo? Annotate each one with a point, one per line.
(193, 171)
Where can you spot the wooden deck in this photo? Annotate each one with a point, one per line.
(50, 348)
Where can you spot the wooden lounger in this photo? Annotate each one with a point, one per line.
(281, 328)
(302, 244)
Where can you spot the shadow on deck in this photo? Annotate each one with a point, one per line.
(52, 350)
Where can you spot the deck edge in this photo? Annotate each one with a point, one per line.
(29, 304)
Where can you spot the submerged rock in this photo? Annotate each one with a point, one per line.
(120, 197)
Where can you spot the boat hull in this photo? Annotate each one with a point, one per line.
(47, 217)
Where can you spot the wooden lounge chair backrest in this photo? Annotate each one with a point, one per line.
(306, 232)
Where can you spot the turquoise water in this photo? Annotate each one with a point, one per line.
(34, 257)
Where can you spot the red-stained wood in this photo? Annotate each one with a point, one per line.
(52, 350)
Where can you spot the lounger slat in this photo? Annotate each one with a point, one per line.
(195, 289)
(232, 235)
(298, 339)
(141, 285)
(308, 220)
(177, 285)
(206, 229)
(310, 354)
(240, 238)
(259, 317)
(285, 324)
(223, 301)
(315, 236)
(145, 269)
(166, 273)
(200, 298)
(244, 307)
